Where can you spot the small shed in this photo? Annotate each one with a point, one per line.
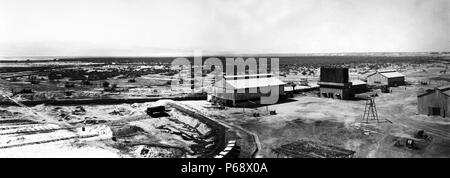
(434, 102)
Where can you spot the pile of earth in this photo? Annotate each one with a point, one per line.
(6, 113)
(127, 131)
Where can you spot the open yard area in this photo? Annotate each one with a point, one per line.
(115, 97)
(339, 122)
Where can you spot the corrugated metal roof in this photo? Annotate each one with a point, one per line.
(392, 74)
(387, 70)
(445, 87)
(447, 92)
(248, 76)
(358, 82)
(253, 83)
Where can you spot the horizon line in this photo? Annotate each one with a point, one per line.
(235, 53)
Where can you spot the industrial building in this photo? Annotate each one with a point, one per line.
(434, 102)
(386, 78)
(232, 89)
(334, 83)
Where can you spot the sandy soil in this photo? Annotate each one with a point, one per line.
(61, 149)
(332, 121)
(129, 123)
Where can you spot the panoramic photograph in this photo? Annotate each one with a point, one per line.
(224, 79)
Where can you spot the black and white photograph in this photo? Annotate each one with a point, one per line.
(221, 79)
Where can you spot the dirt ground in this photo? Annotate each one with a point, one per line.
(62, 149)
(173, 134)
(339, 123)
(305, 116)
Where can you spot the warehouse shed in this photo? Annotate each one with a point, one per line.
(236, 88)
(386, 78)
(435, 102)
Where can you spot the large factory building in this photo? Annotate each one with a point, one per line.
(237, 88)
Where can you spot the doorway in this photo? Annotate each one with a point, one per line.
(435, 111)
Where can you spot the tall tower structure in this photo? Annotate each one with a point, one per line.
(370, 111)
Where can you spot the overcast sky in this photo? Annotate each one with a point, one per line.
(143, 27)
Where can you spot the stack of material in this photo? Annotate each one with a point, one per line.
(311, 149)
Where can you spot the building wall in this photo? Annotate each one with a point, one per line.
(359, 89)
(377, 80)
(436, 99)
(222, 93)
(396, 81)
(343, 92)
(243, 94)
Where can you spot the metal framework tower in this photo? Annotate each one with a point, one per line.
(370, 111)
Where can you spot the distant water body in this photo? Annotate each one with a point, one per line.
(284, 59)
(26, 58)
